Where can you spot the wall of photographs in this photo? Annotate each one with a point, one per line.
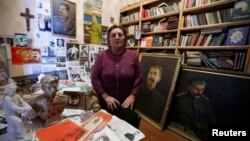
(40, 50)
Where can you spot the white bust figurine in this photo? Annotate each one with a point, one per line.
(16, 111)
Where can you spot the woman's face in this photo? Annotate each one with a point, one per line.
(117, 38)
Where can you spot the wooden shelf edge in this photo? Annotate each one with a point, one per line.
(156, 47)
(160, 32)
(207, 6)
(233, 72)
(220, 25)
(130, 23)
(215, 47)
(160, 16)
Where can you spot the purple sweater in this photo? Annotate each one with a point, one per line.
(118, 75)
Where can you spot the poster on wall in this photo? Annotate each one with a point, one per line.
(22, 55)
(44, 15)
(92, 27)
(77, 73)
(64, 17)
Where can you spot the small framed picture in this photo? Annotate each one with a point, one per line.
(6, 40)
(21, 40)
(76, 99)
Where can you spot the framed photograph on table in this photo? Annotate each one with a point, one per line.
(160, 73)
(220, 103)
(64, 17)
(76, 99)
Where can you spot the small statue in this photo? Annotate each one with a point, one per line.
(92, 102)
(17, 113)
(49, 105)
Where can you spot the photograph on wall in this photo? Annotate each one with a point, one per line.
(60, 43)
(93, 51)
(104, 35)
(36, 56)
(6, 40)
(156, 93)
(21, 40)
(61, 61)
(84, 61)
(49, 60)
(3, 66)
(77, 73)
(84, 50)
(72, 52)
(203, 100)
(92, 27)
(64, 17)
(45, 51)
(44, 15)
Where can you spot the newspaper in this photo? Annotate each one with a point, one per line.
(124, 131)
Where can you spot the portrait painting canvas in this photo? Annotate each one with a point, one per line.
(206, 100)
(64, 17)
(160, 72)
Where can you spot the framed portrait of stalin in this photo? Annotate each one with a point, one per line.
(64, 17)
(160, 72)
(206, 100)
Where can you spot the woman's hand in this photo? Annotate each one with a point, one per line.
(111, 101)
(129, 102)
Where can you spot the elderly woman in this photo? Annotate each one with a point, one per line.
(117, 76)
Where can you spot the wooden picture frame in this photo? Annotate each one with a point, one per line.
(226, 94)
(153, 104)
(64, 17)
(76, 99)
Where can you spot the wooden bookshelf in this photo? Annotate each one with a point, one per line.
(182, 30)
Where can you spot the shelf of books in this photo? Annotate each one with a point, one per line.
(216, 31)
(214, 35)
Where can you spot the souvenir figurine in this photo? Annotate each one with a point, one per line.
(17, 113)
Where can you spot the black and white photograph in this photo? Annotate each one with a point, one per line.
(72, 52)
(77, 73)
(84, 50)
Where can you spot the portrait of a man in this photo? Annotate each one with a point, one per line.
(64, 17)
(60, 43)
(36, 56)
(151, 93)
(158, 84)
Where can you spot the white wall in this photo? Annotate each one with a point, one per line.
(11, 22)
